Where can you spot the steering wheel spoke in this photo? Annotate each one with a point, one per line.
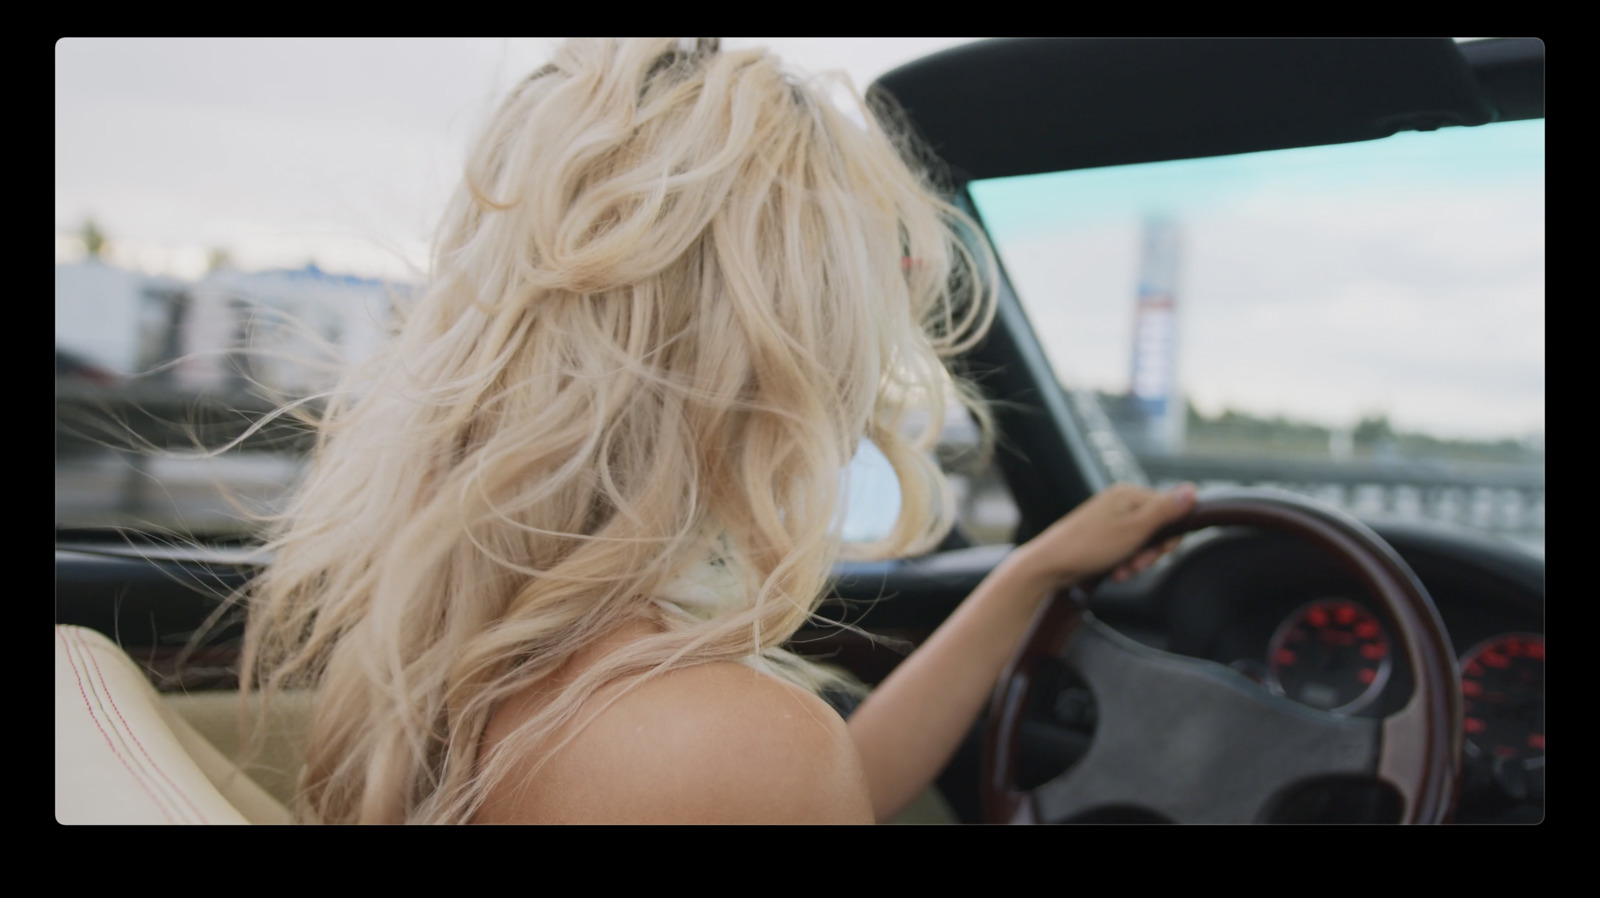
(1182, 738)
(1193, 741)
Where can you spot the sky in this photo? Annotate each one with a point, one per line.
(280, 152)
(343, 153)
(1400, 277)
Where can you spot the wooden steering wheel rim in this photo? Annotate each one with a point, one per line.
(1420, 745)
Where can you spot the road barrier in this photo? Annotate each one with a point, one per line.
(1507, 498)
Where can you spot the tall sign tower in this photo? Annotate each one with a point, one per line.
(1155, 339)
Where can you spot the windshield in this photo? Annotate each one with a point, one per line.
(1361, 322)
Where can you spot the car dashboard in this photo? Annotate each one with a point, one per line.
(1290, 619)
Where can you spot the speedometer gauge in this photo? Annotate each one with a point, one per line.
(1502, 691)
(1331, 654)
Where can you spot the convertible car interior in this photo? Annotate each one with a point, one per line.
(1298, 658)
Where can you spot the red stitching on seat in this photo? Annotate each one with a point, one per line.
(112, 698)
(90, 708)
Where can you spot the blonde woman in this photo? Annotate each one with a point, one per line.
(555, 537)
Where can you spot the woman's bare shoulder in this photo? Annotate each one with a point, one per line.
(712, 743)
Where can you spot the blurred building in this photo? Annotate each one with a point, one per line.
(103, 312)
(298, 326)
(287, 330)
(1154, 375)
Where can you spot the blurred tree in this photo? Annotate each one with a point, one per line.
(94, 240)
(1377, 436)
(218, 258)
(1374, 429)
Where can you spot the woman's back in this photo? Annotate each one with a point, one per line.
(712, 743)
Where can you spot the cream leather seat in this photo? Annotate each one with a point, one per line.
(123, 755)
(127, 754)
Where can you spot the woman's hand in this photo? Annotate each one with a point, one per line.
(1103, 534)
(910, 726)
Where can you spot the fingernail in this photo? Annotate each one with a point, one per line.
(1182, 493)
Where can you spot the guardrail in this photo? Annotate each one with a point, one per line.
(1507, 498)
(1503, 498)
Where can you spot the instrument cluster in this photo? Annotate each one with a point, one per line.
(1335, 655)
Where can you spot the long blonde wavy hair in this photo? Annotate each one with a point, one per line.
(675, 291)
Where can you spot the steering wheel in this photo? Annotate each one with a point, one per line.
(1197, 742)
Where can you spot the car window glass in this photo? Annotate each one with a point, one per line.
(1362, 322)
(985, 512)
